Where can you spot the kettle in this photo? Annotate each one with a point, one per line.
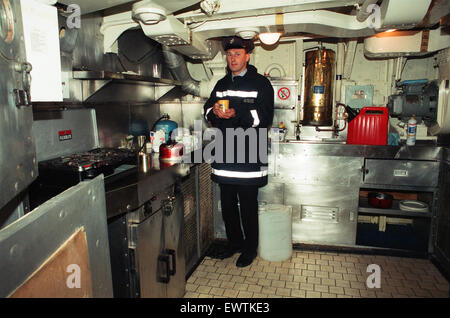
(171, 150)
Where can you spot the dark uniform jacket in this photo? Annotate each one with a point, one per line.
(252, 97)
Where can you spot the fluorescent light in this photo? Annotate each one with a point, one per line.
(269, 38)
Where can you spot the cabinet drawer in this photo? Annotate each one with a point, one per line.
(401, 172)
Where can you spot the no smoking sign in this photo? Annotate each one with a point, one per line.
(284, 93)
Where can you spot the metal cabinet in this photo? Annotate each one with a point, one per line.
(323, 191)
(148, 257)
(157, 248)
(417, 178)
(173, 224)
(401, 172)
(147, 251)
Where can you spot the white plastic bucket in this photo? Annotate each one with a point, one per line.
(275, 232)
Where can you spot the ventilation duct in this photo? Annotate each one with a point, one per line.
(141, 54)
(177, 65)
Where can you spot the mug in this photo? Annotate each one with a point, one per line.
(224, 104)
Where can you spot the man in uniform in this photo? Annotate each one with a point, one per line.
(249, 115)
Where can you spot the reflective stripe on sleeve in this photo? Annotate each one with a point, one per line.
(207, 112)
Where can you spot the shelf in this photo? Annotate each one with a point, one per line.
(58, 106)
(397, 187)
(103, 75)
(96, 87)
(366, 208)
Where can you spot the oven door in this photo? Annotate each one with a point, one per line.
(174, 224)
(151, 262)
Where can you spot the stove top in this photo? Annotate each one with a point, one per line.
(58, 174)
(87, 165)
(93, 159)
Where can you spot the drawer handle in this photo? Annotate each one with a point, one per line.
(172, 254)
(164, 259)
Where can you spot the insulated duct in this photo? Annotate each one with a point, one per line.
(178, 68)
(363, 14)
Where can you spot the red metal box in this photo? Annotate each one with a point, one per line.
(369, 127)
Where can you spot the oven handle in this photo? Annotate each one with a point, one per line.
(164, 259)
(172, 253)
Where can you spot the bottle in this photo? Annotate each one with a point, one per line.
(411, 133)
(282, 131)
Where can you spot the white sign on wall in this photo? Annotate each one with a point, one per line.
(41, 35)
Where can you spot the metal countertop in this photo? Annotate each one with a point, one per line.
(418, 152)
(128, 193)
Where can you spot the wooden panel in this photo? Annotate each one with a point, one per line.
(65, 274)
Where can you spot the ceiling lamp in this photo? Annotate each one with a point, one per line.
(247, 33)
(148, 13)
(269, 38)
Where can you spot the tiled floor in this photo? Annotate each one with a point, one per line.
(317, 274)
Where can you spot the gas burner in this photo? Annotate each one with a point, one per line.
(96, 161)
(59, 174)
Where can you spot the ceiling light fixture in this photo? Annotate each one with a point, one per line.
(148, 14)
(269, 38)
(247, 33)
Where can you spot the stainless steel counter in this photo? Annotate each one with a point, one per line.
(313, 149)
(145, 226)
(322, 182)
(129, 193)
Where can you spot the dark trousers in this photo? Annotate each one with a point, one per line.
(248, 200)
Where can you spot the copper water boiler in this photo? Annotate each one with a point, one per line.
(319, 82)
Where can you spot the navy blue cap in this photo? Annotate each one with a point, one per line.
(235, 42)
